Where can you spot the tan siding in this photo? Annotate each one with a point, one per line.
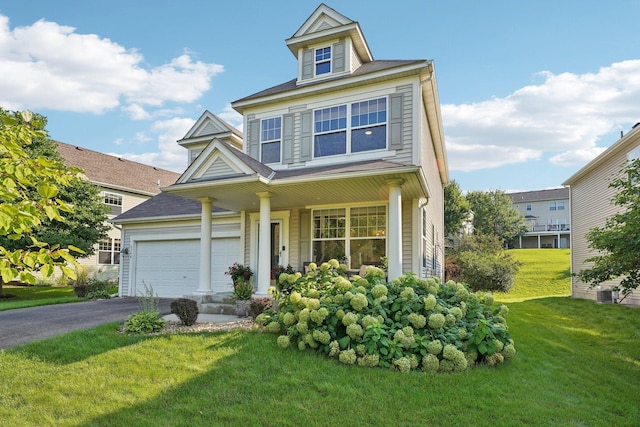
(294, 239)
(591, 206)
(218, 168)
(406, 153)
(355, 61)
(407, 236)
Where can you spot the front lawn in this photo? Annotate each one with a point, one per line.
(32, 296)
(578, 364)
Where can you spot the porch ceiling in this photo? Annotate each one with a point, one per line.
(298, 192)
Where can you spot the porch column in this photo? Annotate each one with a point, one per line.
(204, 286)
(394, 233)
(263, 276)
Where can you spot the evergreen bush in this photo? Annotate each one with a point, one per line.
(186, 309)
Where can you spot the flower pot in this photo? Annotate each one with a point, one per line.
(242, 308)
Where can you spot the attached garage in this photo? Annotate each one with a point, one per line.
(171, 267)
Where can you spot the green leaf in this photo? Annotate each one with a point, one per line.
(344, 342)
(46, 270)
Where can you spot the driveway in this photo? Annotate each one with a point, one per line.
(37, 323)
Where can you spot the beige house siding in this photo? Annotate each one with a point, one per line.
(591, 206)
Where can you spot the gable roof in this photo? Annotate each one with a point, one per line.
(539, 195)
(209, 125)
(326, 24)
(114, 172)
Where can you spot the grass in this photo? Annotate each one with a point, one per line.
(544, 273)
(32, 296)
(577, 365)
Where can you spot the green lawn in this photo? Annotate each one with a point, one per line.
(578, 364)
(544, 273)
(31, 296)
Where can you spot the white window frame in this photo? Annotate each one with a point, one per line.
(347, 234)
(348, 129)
(114, 201)
(270, 141)
(323, 60)
(112, 247)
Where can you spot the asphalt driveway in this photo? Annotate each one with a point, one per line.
(36, 323)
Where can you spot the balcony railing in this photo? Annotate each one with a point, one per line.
(549, 227)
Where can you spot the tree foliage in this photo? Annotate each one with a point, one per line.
(29, 194)
(83, 227)
(456, 208)
(480, 262)
(618, 241)
(494, 214)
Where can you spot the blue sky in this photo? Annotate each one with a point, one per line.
(529, 91)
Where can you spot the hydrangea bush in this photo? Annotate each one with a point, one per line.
(408, 324)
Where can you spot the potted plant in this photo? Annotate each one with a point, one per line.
(242, 291)
(237, 271)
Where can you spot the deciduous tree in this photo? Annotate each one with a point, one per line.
(28, 194)
(456, 208)
(494, 214)
(618, 242)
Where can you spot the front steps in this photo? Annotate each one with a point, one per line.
(218, 303)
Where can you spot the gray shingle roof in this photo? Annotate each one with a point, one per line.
(366, 68)
(106, 170)
(540, 195)
(164, 204)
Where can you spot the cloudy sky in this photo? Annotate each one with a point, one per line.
(529, 91)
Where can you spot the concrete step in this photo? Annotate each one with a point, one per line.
(217, 308)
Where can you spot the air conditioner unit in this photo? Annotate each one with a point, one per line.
(603, 296)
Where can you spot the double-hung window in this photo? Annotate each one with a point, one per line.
(114, 201)
(109, 251)
(552, 206)
(270, 137)
(323, 60)
(365, 130)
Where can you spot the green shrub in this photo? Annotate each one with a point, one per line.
(186, 309)
(408, 324)
(144, 322)
(98, 289)
(259, 305)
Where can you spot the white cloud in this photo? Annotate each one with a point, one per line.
(170, 155)
(565, 114)
(47, 65)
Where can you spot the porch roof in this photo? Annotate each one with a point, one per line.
(335, 184)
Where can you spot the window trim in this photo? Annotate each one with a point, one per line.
(112, 247)
(323, 60)
(350, 128)
(271, 141)
(114, 201)
(348, 238)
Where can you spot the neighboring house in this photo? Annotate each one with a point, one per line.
(123, 184)
(547, 214)
(346, 161)
(591, 205)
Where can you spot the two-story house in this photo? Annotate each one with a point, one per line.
(591, 206)
(346, 160)
(123, 184)
(547, 214)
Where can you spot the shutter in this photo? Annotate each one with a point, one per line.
(395, 121)
(287, 138)
(306, 135)
(307, 64)
(253, 139)
(338, 57)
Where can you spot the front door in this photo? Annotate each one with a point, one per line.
(276, 244)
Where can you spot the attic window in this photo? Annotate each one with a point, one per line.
(323, 60)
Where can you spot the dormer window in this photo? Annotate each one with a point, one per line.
(323, 60)
(270, 137)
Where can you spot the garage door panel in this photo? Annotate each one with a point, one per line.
(171, 267)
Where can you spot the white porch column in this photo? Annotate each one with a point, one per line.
(204, 286)
(394, 233)
(263, 276)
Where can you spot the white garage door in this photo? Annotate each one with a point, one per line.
(171, 267)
